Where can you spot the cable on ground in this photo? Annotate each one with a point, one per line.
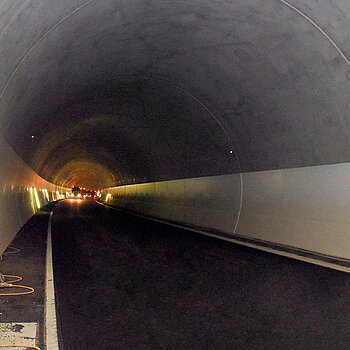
(12, 251)
(16, 279)
(9, 284)
(20, 346)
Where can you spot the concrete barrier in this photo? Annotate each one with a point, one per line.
(305, 208)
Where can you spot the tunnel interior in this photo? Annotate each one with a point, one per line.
(151, 91)
(217, 132)
(106, 94)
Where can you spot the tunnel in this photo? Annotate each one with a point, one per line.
(225, 118)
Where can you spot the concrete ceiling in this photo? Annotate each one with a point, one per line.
(118, 92)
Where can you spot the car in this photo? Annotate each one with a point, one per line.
(90, 194)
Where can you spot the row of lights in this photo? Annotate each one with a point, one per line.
(34, 191)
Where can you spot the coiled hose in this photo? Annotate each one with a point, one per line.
(20, 346)
(9, 284)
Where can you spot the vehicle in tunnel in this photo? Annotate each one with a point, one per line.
(90, 194)
(77, 193)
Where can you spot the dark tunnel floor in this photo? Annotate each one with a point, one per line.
(127, 283)
(29, 263)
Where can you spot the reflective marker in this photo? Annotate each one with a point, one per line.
(37, 198)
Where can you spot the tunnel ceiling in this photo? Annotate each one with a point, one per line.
(136, 91)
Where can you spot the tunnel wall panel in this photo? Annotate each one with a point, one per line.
(22, 193)
(306, 208)
(206, 201)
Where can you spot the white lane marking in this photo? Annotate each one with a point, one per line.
(247, 244)
(318, 28)
(51, 336)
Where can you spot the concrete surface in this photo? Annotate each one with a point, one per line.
(174, 86)
(308, 207)
(29, 263)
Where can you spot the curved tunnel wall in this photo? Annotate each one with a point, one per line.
(305, 208)
(22, 193)
(231, 115)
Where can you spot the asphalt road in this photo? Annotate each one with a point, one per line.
(128, 283)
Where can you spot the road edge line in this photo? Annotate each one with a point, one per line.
(271, 250)
(51, 334)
